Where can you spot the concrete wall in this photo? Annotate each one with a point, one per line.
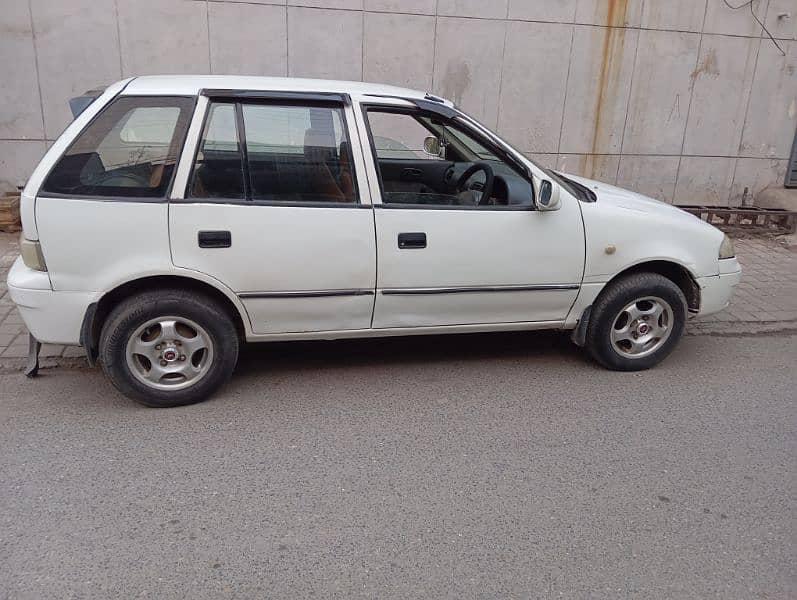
(684, 100)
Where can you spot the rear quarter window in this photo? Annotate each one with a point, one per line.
(129, 150)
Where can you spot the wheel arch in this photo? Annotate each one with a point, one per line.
(97, 312)
(674, 271)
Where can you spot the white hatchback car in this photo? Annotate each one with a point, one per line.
(177, 217)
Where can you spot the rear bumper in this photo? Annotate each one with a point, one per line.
(52, 317)
(716, 291)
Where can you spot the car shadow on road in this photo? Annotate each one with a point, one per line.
(408, 350)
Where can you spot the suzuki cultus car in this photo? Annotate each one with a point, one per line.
(179, 216)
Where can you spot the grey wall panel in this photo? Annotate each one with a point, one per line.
(683, 100)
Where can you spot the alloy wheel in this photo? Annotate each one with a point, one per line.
(169, 353)
(642, 327)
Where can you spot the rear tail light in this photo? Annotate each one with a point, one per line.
(32, 256)
(726, 248)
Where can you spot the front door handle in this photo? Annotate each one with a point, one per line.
(411, 240)
(214, 239)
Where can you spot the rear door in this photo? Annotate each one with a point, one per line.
(270, 207)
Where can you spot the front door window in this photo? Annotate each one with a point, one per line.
(428, 161)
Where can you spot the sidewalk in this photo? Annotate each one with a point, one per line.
(766, 298)
(765, 301)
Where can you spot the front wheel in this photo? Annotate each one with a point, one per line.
(168, 348)
(636, 322)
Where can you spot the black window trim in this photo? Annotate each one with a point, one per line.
(240, 97)
(41, 193)
(429, 107)
(240, 130)
(106, 198)
(426, 104)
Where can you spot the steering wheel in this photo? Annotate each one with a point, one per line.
(487, 187)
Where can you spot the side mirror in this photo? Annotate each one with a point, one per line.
(549, 196)
(432, 146)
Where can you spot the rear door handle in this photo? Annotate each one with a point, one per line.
(411, 240)
(214, 239)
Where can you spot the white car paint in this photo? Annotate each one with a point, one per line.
(564, 257)
(630, 221)
(640, 229)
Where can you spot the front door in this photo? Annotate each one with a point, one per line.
(458, 239)
(272, 209)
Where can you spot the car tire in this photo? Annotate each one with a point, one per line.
(636, 322)
(168, 348)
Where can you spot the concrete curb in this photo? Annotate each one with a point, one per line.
(742, 328)
(8, 365)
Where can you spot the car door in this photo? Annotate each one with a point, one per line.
(270, 207)
(444, 260)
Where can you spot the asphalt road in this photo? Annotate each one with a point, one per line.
(492, 466)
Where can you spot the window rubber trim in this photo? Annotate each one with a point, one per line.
(274, 203)
(485, 208)
(99, 198)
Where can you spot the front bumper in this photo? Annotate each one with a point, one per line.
(716, 290)
(52, 317)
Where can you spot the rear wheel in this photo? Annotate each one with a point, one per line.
(168, 348)
(636, 322)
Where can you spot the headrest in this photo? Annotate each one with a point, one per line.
(315, 138)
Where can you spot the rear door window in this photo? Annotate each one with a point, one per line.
(280, 153)
(218, 170)
(129, 150)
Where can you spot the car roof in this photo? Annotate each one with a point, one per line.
(182, 85)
